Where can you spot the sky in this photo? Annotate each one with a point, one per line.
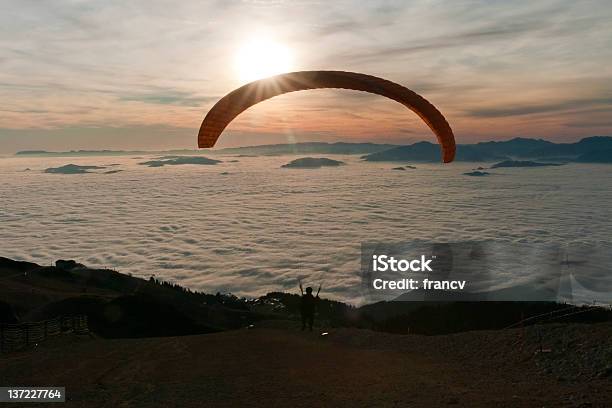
(110, 74)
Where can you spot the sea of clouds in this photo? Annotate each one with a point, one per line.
(250, 227)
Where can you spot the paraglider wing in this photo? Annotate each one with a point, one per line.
(237, 101)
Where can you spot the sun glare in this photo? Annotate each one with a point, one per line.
(262, 58)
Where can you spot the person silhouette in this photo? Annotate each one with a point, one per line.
(307, 308)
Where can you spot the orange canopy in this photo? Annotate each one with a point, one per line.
(239, 100)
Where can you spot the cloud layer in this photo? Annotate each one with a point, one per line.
(260, 228)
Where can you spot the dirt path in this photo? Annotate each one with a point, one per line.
(281, 368)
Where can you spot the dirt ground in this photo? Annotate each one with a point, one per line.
(267, 367)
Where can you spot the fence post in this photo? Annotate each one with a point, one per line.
(21, 336)
(540, 338)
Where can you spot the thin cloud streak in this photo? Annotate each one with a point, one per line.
(536, 109)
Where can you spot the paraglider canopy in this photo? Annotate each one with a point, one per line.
(239, 100)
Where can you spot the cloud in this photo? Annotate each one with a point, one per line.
(338, 27)
(590, 124)
(65, 65)
(467, 38)
(215, 242)
(521, 110)
(170, 97)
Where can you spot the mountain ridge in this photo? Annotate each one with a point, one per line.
(588, 150)
(593, 149)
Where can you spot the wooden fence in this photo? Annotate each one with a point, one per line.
(19, 336)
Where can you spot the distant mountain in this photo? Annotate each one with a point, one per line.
(596, 156)
(588, 150)
(312, 163)
(477, 173)
(520, 163)
(429, 152)
(595, 149)
(31, 152)
(572, 150)
(178, 160)
(262, 150)
(307, 148)
(422, 151)
(72, 169)
(515, 147)
(101, 152)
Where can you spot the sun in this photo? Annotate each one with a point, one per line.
(261, 58)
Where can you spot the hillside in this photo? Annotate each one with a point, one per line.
(156, 344)
(123, 306)
(117, 305)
